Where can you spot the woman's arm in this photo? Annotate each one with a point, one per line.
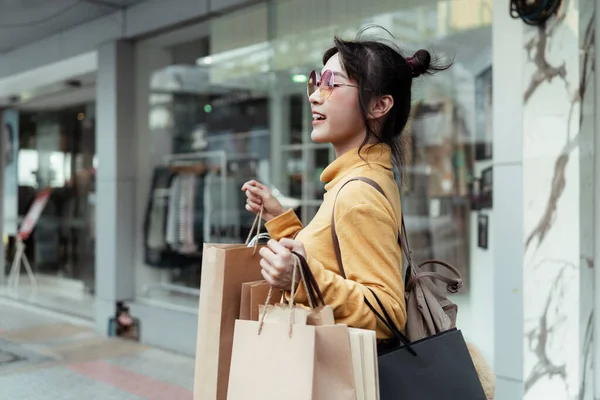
(286, 225)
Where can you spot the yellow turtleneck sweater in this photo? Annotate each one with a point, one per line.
(367, 227)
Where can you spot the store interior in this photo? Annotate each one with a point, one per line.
(231, 106)
(56, 154)
(236, 111)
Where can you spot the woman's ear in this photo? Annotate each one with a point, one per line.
(381, 106)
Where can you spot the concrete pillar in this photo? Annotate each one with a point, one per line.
(154, 133)
(506, 240)
(115, 209)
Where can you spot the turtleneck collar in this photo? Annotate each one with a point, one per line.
(378, 154)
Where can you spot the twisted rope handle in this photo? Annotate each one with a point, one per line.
(257, 221)
(291, 304)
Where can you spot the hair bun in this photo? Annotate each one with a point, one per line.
(420, 62)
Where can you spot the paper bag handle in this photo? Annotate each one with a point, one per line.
(256, 224)
(293, 294)
(314, 294)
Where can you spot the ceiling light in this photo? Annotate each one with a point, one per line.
(299, 78)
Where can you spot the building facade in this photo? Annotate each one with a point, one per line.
(132, 114)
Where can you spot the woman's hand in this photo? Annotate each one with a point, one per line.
(278, 262)
(259, 195)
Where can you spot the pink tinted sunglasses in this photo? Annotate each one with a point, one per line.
(325, 85)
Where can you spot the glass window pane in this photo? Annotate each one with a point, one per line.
(241, 107)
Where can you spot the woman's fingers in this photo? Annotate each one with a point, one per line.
(291, 244)
(278, 249)
(267, 254)
(257, 191)
(252, 206)
(253, 185)
(268, 278)
(254, 188)
(254, 198)
(269, 269)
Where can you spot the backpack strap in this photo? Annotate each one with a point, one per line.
(453, 284)
(402, 236)
(402, 242)
(412, 274)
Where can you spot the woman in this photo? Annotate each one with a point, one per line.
(360, 104)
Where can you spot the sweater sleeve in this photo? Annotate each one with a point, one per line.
(286, 225)
(371, 259)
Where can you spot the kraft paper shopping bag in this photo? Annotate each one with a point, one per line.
(322, 315)
(224, 268)
(272, 365)
(281, 313)
(258, 296)
(334, 377)
(245, 301)
(273, 360)
(363, 343)
(318, 358)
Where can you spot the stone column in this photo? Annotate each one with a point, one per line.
(544, 139)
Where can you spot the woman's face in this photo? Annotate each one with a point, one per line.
(340, 120)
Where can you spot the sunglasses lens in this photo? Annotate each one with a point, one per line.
(311, 84)
(326, 84)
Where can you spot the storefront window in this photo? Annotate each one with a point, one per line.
(239, 111)
(57, 152)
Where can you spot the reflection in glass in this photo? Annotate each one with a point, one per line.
(57, 151)
(239, 111)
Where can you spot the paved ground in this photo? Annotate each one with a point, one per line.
(45, 358)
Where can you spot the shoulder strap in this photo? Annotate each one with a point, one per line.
(403, 243)
(454, 284)
(402, 236)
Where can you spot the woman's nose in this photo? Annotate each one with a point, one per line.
(315, 97)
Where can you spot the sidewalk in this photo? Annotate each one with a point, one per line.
(43, 357)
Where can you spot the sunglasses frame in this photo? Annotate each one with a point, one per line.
(313, 84)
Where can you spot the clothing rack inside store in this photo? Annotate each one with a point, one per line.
(217, 161)
(191, 162)
(198, 160)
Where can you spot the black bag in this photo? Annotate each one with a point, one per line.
(434, 368)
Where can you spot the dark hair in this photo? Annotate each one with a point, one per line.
(379, 68)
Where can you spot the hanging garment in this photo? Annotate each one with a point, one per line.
(209, 178)
(186, 214)
(198, 211)
(157, 209)
(173, 213)
(159, 219)
(225, 198)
